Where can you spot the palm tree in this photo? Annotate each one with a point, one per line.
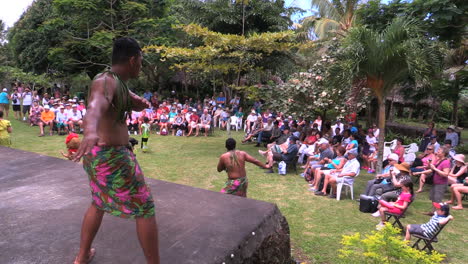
(334, 18)
(385, 59)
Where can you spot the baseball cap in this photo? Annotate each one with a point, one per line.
(322, 141)
(393, 156)
(5, 89)
(451, 127)
(194, 110)
(74, 105)
(433, 136)
(46, 107)
(62, 107)
(353, 152)
(443, 207)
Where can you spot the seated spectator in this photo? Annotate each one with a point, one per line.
(178, 124)
(205, 123)
(240, 114)
(452, 135)
(217, 115)
(194, 119)
(225, 118)
(448, 145)
(339, 125)
(256, 128)
(459, 171)
(421, 163)
(163, 120)
(308, 146)
(35, 114)
(75, 118)
(172, 115)
(332, 164)
(265, 133)
(266, 115)
(397, 207)
(337, 137)
(399, 150)
(47, 119)
(383, 180)
(455, 193)
(318, 121)
(350, 169)
(61, 119)
(353, 143)
(429, 229)
(287, 155)
(132, 122)
(275, 132)
(370, 147)
(397, 180)
(318, 161)
(434, 143)
(251, 119)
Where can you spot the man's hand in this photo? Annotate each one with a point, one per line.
(85, 147)
(138, 103)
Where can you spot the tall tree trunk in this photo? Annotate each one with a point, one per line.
(454, 118)
(381, 138)
(411, 110)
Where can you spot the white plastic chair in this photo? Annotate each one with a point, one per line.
(339, 187)
(239, 123)
(388, 147)
(233, 123)
(410, 152)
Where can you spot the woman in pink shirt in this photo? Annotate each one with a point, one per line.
(440, 178)
(400, 150)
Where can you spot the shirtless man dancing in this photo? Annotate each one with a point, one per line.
(233, 161)
(117, 183)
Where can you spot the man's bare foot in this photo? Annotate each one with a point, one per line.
(88, 258)
(458, 207)
(449, 202)
(418, 191)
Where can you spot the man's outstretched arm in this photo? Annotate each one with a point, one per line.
(138, 103)
(102, 92)
(253, 160)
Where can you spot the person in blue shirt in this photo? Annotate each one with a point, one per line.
(5, 102)
(147, 95)
(221, 100)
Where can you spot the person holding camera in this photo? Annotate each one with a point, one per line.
(16, 103)
(383, 180)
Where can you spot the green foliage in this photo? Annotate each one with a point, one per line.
(391, 135)
(12, 74)
(384, 246)
(222, 58)
(225, 16)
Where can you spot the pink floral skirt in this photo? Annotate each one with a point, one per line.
(117, 183)
(236, 187)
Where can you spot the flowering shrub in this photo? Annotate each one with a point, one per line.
(310, 93)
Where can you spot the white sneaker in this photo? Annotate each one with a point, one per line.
(24, 118)
(135, 133)
(380, 226)
(376, 214)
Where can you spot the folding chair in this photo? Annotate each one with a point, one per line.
(396, 217)
(427, 241)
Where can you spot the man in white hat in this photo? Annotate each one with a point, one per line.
(384, 177)
(452, 135)
(251, 118)
(61, 118)
(75, 118)
(47, 119)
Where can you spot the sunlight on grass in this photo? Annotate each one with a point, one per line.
(316, 223)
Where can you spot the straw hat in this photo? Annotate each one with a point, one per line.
(403, 167)
(460, 158)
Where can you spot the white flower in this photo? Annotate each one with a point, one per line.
(323, 94)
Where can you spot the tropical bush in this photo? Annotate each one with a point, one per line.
(384, 246)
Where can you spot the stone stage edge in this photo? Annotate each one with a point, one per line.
(43, 200)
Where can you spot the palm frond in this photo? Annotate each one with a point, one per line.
(325, 27)
(326, 9)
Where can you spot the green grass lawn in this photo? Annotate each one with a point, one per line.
(316, 223)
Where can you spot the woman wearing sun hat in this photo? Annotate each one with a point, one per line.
(458, 174)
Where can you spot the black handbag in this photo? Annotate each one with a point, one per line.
(368, 204)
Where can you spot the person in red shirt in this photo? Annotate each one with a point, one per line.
(194, 118)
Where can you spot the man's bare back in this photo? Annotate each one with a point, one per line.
(234, 163)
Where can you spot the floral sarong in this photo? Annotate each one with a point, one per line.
(117, 183)
(236, 187)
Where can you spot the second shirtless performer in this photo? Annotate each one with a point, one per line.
(116, 180)
(233, 161)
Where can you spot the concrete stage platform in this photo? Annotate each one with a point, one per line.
(43, 199)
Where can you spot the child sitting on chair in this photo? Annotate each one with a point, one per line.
(397, 207)
(429, 229)
(73, 143)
